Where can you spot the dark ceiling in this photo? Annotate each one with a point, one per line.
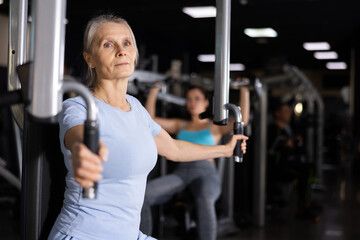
(162, 28)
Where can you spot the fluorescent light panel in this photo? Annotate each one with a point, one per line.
(260, 32)
(316, 46)
(200, 12)
(237, 67)
(326, 55)
(336, 65)
(206, 57)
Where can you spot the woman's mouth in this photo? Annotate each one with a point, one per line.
(122, 64)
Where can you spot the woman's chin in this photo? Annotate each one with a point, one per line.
(196, 113)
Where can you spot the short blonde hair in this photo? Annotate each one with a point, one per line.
(89, 34)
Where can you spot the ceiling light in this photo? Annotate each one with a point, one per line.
(237, 67)
(336, 65)
(298, 109)
(206, 57)
(200, 12)
(260, 32)
(326, 55)
(316, 46)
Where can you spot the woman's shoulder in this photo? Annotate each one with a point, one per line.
(74, 101)
(75, 107)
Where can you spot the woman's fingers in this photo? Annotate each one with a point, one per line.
(233, 141)
(243, 146)
(86, 164)
(84, 183)
(90, 171)
(243, 142)
(103, 151)
(239, 137)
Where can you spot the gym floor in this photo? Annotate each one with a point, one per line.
(339, 220)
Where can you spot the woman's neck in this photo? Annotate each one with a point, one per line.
(112, 93)
(195, 119)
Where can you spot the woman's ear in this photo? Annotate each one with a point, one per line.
(88, 60)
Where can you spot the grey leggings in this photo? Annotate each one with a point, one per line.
(203, 181)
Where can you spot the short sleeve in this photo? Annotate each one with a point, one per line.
(73, 114)
(154, 127)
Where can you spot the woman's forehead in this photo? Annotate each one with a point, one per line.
(111, 29)
(195, 92)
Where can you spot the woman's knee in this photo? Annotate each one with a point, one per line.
(207, 190)
(206, 196)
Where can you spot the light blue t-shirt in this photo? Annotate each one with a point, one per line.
(115, 213)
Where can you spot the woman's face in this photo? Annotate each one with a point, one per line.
(113, 52)
(196, 102)
(285, 114)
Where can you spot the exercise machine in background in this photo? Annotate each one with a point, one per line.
(41, 91)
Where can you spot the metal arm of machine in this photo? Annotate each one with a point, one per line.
(238, 129)
(91, 127)
(222, 51)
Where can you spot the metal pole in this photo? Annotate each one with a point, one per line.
(221, 97)
(310, 106)
(17, 51)
(352, 82)
(17, 134)
(46, 73)
(48, 44)
(260, 159)
(222, 52)
(17, 40)
(320, 120)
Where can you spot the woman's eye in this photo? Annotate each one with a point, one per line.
(127, 44)
(107, 45)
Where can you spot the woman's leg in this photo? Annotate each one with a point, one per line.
(206, 191)
(158, 191)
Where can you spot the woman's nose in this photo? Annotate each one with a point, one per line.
(121, 52)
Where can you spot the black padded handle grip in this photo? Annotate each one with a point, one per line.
(91, 140)
(238, 129)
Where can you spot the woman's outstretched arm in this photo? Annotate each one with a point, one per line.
(171, 125)
(183, 151)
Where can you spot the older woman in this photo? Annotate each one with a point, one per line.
(130, 142)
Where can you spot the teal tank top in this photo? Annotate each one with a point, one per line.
(203, 137)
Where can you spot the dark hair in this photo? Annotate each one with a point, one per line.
(89, 34)
(201, 89)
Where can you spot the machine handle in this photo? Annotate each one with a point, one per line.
(91, 140)
(238, 154)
